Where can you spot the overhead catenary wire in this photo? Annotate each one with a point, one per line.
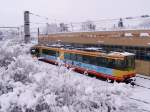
(98, 21)
(37, 23)
(101, 24)
(116, 19)
(39, 16)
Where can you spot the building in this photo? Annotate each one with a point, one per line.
(134, 41)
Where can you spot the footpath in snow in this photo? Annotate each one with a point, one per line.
(28, 85)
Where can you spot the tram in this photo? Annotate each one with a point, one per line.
(115, 66)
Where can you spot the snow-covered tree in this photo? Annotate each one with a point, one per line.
(28, 85)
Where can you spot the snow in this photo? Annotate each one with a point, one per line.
(144, 35)
(93, 48)
(128, 35)
(145, 82)
(120, 54)
(27, 84)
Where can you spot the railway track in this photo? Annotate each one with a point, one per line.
(141, 101)
(136, 84)
(143, 77)
(141, 86)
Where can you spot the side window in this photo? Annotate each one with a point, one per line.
(128, 62)
(73, 56)
(53, 53)
(111, 63)
(57, 54)
(45, 51)
(86, 59)
(79, 58)
(119, 64)
(93, 60)
(67, 56)
(101, 61)
(131, 62)
(49, 52)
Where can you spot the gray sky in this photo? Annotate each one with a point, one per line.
(11, 11)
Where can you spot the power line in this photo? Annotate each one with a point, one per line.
(10, 27)
(39, 16)
(37, 23)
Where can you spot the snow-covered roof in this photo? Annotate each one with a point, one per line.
(56, 45)
(120, 54)
(93, 48)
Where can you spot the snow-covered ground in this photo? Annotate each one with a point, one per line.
(27, 85)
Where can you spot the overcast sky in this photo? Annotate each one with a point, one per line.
(11, 11)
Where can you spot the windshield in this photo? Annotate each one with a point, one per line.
(116, 64)
(127, 64)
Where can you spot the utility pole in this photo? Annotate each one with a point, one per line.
(72, 27)
(47, 28)
(38, 35)
(26, 27)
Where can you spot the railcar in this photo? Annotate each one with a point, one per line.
(118, 66)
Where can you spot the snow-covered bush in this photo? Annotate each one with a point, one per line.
(27, 85)
(5, 88)
(10, 50)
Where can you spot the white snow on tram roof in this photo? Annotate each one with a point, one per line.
(56, 45)
(93, 48)
(121, 53)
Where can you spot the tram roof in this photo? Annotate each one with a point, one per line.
(120, 53)
(111, 55)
